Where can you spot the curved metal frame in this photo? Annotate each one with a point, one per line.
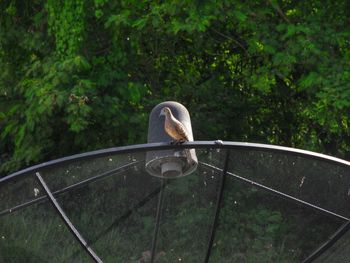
(164, 146)
(198, 144)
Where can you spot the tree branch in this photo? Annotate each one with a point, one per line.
(279, 11)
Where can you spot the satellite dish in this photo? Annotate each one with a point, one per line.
(225, 202)
(243, 201)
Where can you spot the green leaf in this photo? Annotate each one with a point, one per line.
(310, 80)
(240, 16)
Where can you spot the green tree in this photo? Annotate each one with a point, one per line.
(81, 75)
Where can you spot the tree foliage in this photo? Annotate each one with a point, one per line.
(82, 75)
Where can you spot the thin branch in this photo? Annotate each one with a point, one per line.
(279, 11)
(230, 38)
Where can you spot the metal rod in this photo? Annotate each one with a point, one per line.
(140, 204)
(128, 213)
(70, 188)
(331, 241)
(67, 222)
(158, 216)
(217, 208)
(271, 190)
(164, 146)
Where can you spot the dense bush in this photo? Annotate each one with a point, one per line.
(80, 75)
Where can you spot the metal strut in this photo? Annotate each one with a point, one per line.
(278, 193)
(158, 216)
(66, 220)
(345, 228)
(331, 241)
(41, 199)
(218, 208)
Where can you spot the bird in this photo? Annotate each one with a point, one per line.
(173, 127)
(176, 130)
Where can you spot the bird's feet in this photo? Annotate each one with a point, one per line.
(177, 142)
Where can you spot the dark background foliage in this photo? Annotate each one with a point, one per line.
(83, 75)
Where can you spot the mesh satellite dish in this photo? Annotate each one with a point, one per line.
(233, 202)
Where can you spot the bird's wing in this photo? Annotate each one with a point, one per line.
(181, 130)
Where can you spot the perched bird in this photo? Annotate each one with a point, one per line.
(174, 128)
